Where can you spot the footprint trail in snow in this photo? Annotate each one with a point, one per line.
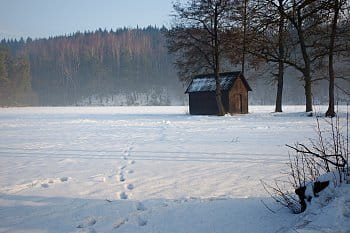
(122, 172)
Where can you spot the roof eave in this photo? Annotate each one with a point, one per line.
(245, 82)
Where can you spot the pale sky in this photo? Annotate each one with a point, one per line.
(44, 18)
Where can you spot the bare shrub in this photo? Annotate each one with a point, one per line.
(282, 195)
(328, 153)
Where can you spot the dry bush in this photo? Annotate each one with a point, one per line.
(328, 153)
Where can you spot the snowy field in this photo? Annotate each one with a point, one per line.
(145, 169)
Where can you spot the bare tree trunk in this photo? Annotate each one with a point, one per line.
(278, 107)
(279, 95)
(308, 91)
(330, 112)
(307, 69)
(244, 35)
(218, 94)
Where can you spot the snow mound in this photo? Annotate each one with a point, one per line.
(328, 213)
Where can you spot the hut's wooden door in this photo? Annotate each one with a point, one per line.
(236, 105)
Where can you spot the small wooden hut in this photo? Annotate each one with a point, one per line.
(234, 88)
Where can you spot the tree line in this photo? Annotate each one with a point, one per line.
(67, 70)
(309, 36)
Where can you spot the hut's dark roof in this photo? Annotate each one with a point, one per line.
(206, 82)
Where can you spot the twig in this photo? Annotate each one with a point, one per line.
(307, 151)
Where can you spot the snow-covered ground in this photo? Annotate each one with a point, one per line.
(146, 169)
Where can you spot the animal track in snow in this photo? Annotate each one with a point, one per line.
(120, 222)
(122, 195)
(64, 179)
(120, 173)
(88, 222)
(129, 186)
(141, 221)
(140, 206)
(121, 178)
(41, 183)
(132, 162)
(128, 149)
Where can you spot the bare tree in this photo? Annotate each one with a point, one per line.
(268, 40)
(239, 36)
(244, 37)
(335, 9)
(306, 18)
(281, 55)
(197, 38)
